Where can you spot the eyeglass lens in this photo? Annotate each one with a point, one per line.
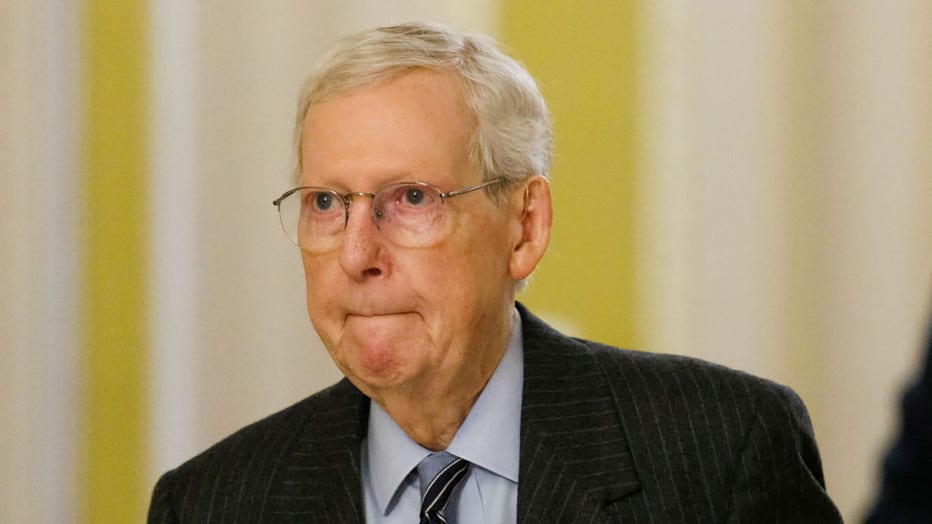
(408, 214)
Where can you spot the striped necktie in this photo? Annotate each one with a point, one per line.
(439, 473)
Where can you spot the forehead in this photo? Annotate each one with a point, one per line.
(408, 127)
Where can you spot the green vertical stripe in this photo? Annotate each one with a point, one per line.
(583, 54)
(114, 192)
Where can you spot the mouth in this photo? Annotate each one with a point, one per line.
(366, 314)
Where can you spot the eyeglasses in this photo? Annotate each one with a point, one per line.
(409, 214)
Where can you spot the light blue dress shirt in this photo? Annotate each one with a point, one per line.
(489, 438)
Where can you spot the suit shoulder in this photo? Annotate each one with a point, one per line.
(252, 455)
(689, 378)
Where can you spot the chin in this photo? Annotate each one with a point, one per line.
(374, 367)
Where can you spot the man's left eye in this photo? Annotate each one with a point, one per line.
(414, 196)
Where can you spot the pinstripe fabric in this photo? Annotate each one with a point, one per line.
(606, 436)
(620, 436)
(299, 465)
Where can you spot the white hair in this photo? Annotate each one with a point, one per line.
(513, 134)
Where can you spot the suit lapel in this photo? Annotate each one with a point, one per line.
(575, 458)
(322, 470)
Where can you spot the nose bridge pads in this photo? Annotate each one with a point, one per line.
(376, 214)
(346, 203)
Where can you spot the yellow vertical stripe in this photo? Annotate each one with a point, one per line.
(804, 356)
(114, 301)
(583, 55)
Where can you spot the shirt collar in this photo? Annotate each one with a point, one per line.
(393, 455)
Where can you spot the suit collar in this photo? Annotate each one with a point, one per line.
(575, 457)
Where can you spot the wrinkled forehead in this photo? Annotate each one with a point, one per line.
(414, 124)
(426, 85)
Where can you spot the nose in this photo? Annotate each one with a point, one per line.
(361, 254)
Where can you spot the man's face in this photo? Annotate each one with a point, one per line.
(412, 318)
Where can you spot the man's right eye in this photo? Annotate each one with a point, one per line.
(322, 201)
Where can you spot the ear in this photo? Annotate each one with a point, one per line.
(536, 217)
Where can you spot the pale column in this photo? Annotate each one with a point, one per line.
(876, 190)
(175, 192)
(788, 205)
(38, 280)
(714, 222)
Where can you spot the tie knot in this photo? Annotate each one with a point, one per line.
(439, 473)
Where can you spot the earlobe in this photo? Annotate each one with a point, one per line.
(535, 221)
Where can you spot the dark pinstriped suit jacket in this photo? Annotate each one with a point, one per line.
(606, 436)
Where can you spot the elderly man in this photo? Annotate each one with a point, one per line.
(422, 206)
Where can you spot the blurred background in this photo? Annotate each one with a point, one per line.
(747, 182)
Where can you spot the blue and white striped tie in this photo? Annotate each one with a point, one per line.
(440, 473)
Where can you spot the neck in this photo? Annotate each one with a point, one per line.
(434, 426)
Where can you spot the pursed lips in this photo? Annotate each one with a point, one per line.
(379, 314)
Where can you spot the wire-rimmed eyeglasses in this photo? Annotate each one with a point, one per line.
(409, 214)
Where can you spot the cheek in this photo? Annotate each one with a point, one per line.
(465, 278)
(318, 293)
(447, 279)
(484, 260)
(311, 282)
